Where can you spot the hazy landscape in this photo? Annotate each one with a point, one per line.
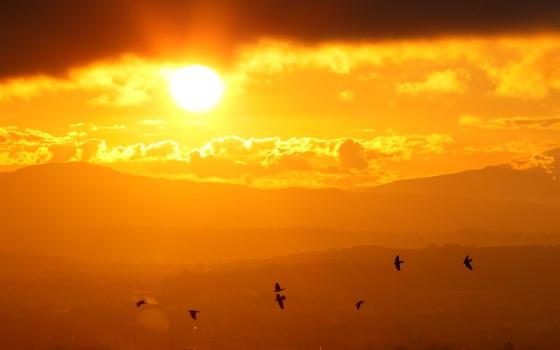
(279, 175)
(70, 280)
(434, 303)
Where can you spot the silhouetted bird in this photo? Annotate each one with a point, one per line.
(141, 302)
(398, 262)
(193, 314)
(280, 300)
(468, 262)
(277, 288)
(359, 304)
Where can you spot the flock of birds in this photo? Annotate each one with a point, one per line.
(280, 298)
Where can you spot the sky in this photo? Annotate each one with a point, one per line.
(342, 94)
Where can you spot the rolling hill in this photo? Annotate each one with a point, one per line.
(77, 195)
(499, 183)
(85, 211)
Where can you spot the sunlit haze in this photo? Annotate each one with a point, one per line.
(243, 174)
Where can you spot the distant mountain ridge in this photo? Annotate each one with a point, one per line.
(84, 195)
(539, 184)
(499, 183)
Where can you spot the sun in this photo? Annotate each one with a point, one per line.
(196, 88)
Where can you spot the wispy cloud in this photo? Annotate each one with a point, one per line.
(511, 123)
(153, 122)
(442, 82)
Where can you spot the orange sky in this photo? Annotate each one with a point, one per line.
(329, 113)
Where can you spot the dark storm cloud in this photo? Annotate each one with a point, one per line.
(48, 36)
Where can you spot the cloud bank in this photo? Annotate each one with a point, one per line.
(297, 161)
(36, 35)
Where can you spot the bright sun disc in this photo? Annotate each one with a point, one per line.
(196, 88)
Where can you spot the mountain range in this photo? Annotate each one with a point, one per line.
(93, 211)
(78, 195)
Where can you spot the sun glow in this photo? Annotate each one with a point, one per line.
(196, 88)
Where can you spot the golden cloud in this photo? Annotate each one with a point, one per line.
(445, 82)
(128, 81)
(512, 123)
(520, 67)
(548, 161)
(154, 122)
(298, 161)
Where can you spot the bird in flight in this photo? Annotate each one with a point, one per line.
(277, 288)
(280, 300)
(468, 262)
(141, 302)
(359, 304)
(194, 313)
(398, 262)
